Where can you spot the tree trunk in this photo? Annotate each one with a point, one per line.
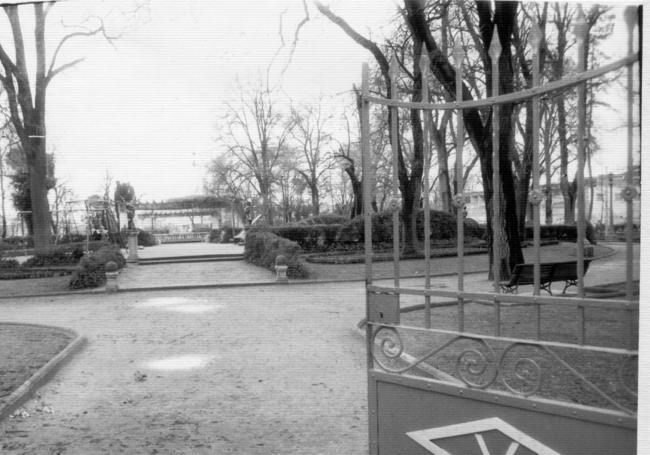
(315, 200)
(2, 198)
(568, 194)
(41, 217)
(549, 190)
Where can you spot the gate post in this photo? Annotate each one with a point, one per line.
(373, 421)
(495, 53)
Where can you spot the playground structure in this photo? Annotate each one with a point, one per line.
(495, 382)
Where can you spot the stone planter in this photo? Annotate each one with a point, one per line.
(111, 277)
(281, 269)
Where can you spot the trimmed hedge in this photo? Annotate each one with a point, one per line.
(309, 237)
(146, 238)
(382, 229)
(92, 271)
(262, 247)
(443, 227)
(9, 264)
(69, 254)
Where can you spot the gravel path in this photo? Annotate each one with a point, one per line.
(265, 370)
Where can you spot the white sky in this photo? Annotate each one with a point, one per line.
(146, 110)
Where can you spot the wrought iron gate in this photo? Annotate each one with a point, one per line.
(517, 387)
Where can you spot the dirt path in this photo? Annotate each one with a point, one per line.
(268, 370)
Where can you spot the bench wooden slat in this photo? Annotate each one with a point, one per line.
(524, 274)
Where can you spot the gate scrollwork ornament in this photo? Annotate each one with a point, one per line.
(520, 374)
(394, 204)
(629, 193)
(390, 343)
(459, 200)
(477, 367)
(535, 197)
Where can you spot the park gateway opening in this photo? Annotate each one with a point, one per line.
(481, 385)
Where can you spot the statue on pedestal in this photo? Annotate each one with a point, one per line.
(130, 213)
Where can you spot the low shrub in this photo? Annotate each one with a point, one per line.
(309, 237)
(67, 254)
(262, 247)
(72, 238)
(442, 225)
(146, 238)
(474, 229)
(92, 272)
(9, 264)
(16, 243)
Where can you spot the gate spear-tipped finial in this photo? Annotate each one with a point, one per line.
(424, 61)
(393, 68)
(495, 45)
(630, 17)
(580, 28)
(459, 55)
(535, 37)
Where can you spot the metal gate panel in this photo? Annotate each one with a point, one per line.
(410, 408)
(410, 413)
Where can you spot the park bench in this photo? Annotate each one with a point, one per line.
(549, 272)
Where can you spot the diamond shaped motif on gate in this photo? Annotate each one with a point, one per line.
(490, 436)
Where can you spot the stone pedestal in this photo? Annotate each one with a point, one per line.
(132, 245)
(111, 281)
(281, 274)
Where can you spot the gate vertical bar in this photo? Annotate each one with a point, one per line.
(459, 55)
(373, 422)
(536, 196)
(424, 70)
(365, 164)
(495, 52)
(630, 192)
(393, 72)
(581, 36)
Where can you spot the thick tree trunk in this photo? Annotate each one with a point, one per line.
(315, 200)
(480, 132)
(41, 217)
(547, 174)
(2, 199)
(568, 193)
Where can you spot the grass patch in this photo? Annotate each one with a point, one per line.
(25, 349)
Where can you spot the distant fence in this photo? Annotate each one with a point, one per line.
(182, 237)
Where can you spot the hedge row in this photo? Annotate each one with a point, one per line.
(92, 268)
(309, 237)
(563, 232)
(262, 247)
(442, 224)
(68, 254)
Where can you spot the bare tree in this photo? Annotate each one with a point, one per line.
(312, 141)
(255, 132)
(27, 101)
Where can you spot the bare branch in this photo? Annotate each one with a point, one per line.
(88, 32)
